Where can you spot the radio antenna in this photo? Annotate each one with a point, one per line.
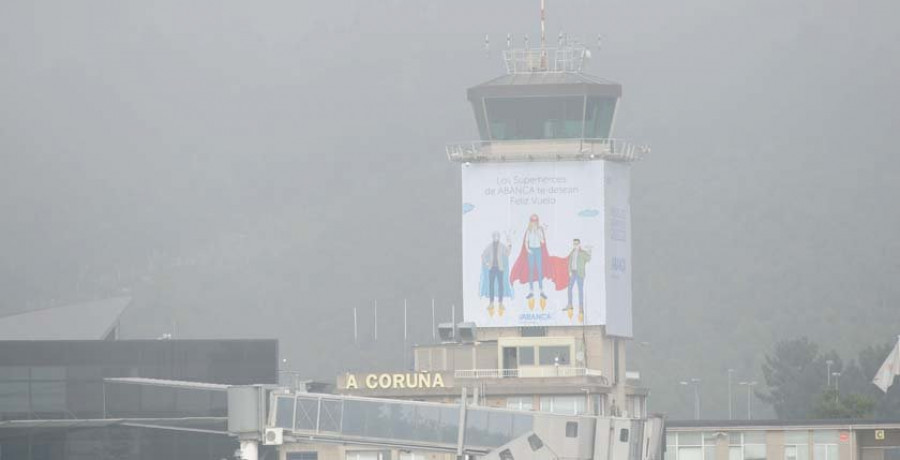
(543, 25)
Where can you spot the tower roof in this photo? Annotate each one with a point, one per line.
(545, 84)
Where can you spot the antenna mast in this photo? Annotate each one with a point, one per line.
(543, 25)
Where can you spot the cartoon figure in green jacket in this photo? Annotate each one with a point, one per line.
(577, 260)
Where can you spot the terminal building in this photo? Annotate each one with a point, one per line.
(783, 440)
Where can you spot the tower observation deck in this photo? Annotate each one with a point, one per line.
(545, 108)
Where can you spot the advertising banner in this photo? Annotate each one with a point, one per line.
(547, 244)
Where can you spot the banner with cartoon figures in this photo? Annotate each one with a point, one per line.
(547, 244)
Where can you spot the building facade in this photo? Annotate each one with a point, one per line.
(57, 402)
(784, 440)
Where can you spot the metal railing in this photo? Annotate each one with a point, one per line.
(531, 372)
(576, 149)
(529, 60)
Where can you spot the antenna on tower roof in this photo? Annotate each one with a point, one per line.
(543, 25)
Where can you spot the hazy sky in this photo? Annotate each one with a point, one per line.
(258, 169)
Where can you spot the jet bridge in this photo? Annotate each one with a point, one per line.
(454, 429)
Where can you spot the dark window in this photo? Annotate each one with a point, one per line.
(553, 355)
(505, 454)
(560, 117)
(526, 356)
(535, 442)
(533, 331)
(303, 455)
(571, 429)
(598, 117)
(623, 435)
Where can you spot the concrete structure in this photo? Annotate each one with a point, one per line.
(783, 440)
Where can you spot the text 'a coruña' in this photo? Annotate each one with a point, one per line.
(393, 381)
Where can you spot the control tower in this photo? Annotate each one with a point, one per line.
(546, 216)
(546, 226)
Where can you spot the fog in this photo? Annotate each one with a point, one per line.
(260, 169)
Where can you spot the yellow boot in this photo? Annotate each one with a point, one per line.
(570, 312)
(530, 302)
(500, 310)
(543, 301)
(581, 315)
(491, 310)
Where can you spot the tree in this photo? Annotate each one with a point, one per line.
(794, 373)
(831, 405)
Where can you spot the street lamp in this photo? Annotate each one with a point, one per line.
(730, 399)
(749, 385)
(695, 382)
(828, 364)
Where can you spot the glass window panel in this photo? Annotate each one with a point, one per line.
(690, 453)
(735, 453)
(598, 117)
(520, 403)
(403, 421)
(819, 452)
(476, 428)
(13, 373)
(671, 438)
(48, 396)
(536, 117)
(825, 436)
(689, 438)
(709, 452)
(796, 437)
(802, 452)
(13, 397)
(892, 453)
(832, 450)
(754, 452)
(218, 404)
(307, 413)
(754, 437)
(284, 412)
(330, 416)
(734, 438)
(449, 425)
(790, 452)
(521, 424)
(85, 398)
(157, 401)
(526, 356)
(48, 373)
(192, 403)
(500, 426)
(427, 424)
(549, 356)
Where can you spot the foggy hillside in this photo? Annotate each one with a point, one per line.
(260, 169)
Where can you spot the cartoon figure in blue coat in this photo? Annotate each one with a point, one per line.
(495, 274)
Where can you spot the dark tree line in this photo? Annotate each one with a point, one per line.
(803, 382)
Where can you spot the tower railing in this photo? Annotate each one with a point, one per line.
(577, 149)
(530, 60)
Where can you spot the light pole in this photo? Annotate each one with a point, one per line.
(749, 385)
(695, 382)
(828, 364)
(730, 399)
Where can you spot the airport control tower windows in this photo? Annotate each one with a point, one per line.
(598, 117)
(521, 118)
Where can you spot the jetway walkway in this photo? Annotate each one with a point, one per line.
(461, 429)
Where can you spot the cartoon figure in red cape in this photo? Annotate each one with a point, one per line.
(535, 263)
